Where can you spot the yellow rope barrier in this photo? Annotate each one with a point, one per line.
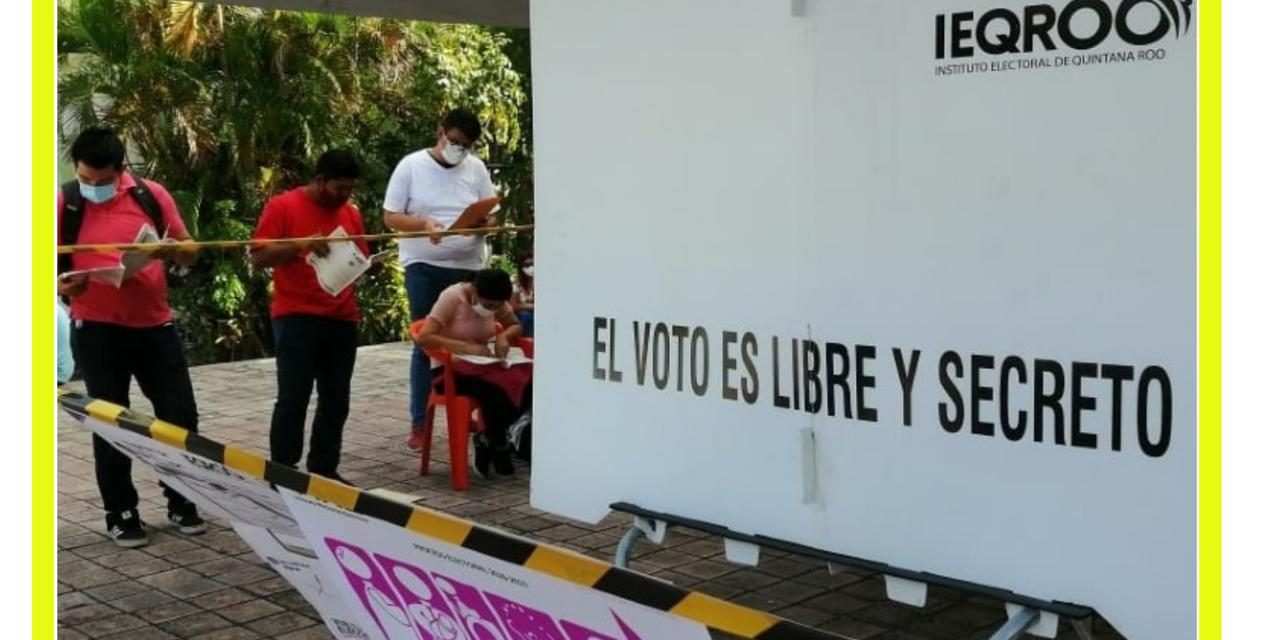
(150, 247)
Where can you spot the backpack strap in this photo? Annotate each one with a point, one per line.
(72, 216)
(147, 200)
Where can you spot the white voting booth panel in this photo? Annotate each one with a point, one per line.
(1000, 243)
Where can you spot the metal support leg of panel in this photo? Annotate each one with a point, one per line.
(1017, 624)
(654, 530)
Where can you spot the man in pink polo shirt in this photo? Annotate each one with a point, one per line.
(126, 332)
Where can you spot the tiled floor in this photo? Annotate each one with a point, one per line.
(214, 587)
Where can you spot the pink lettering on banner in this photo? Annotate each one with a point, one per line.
(405, 600)
(577, 632)
(371, 588)
(524, 623)
(427, 608)
(471, 608)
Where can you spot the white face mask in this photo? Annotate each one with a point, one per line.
(453, 153)
(482, 311)
(528, 271)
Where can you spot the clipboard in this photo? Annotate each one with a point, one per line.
(475, 213)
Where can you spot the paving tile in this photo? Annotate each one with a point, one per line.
(110, 624)
(171, 610)
(706, 569)
(115, 590)
(316, 632)
(225, 598)
(281, 623)
(805, 615)
(230, 633)
(194, 625)
(145, 599)
(73, 599)
(142, 633)
(181, 583)
(90, 579)
(291, 600)
(249, 611)
(267, 587)
(85, 613)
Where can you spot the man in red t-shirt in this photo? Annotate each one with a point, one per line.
(125, 332)
(315, 331)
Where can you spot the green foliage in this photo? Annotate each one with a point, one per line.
(227, 106)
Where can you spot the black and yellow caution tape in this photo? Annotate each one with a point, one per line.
(546, 559)
(201, 245)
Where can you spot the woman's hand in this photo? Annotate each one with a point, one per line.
(473, 349)
(501, 346)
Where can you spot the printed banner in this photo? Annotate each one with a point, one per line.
(405, 586)
(295, 561)
(217, 490)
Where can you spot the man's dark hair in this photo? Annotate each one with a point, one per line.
(336, 164)
(464, 121)
(98, 147)
(492, 284)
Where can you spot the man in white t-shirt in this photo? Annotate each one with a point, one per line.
(428, 191)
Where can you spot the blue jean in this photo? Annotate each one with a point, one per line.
(423, 283)
(526, 321)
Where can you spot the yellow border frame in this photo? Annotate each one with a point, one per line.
(44, 425)
(1210, 321)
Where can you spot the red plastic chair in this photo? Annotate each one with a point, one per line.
(458, 409)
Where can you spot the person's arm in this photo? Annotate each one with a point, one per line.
(395, 204)
(271, 226)
(272, 255)
(66, 360)
(487, 191)
(183, 252)
(511, 330)
(403, 222)
(431, 338)
(74, 285)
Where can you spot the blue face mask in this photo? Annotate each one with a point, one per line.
(98, 194)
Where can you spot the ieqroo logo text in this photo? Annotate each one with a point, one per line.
(1079, 25)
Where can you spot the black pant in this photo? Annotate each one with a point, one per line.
(320, 351)
(110, 355)
(495, 406)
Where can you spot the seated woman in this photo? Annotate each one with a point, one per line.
(522, 299)
(462, 322)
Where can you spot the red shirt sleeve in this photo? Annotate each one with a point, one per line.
(272, 222)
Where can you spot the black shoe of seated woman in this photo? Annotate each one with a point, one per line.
(481, 461)
(502, 461)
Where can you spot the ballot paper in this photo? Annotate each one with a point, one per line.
(515, 356)
(344, 263)
(113, 275)
(135, 261)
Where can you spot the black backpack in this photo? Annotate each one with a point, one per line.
(73, 215)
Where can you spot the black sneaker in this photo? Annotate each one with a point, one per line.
(125, 528)
(187, 521)
(333, 475)
(502, 461)
(480, 462)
